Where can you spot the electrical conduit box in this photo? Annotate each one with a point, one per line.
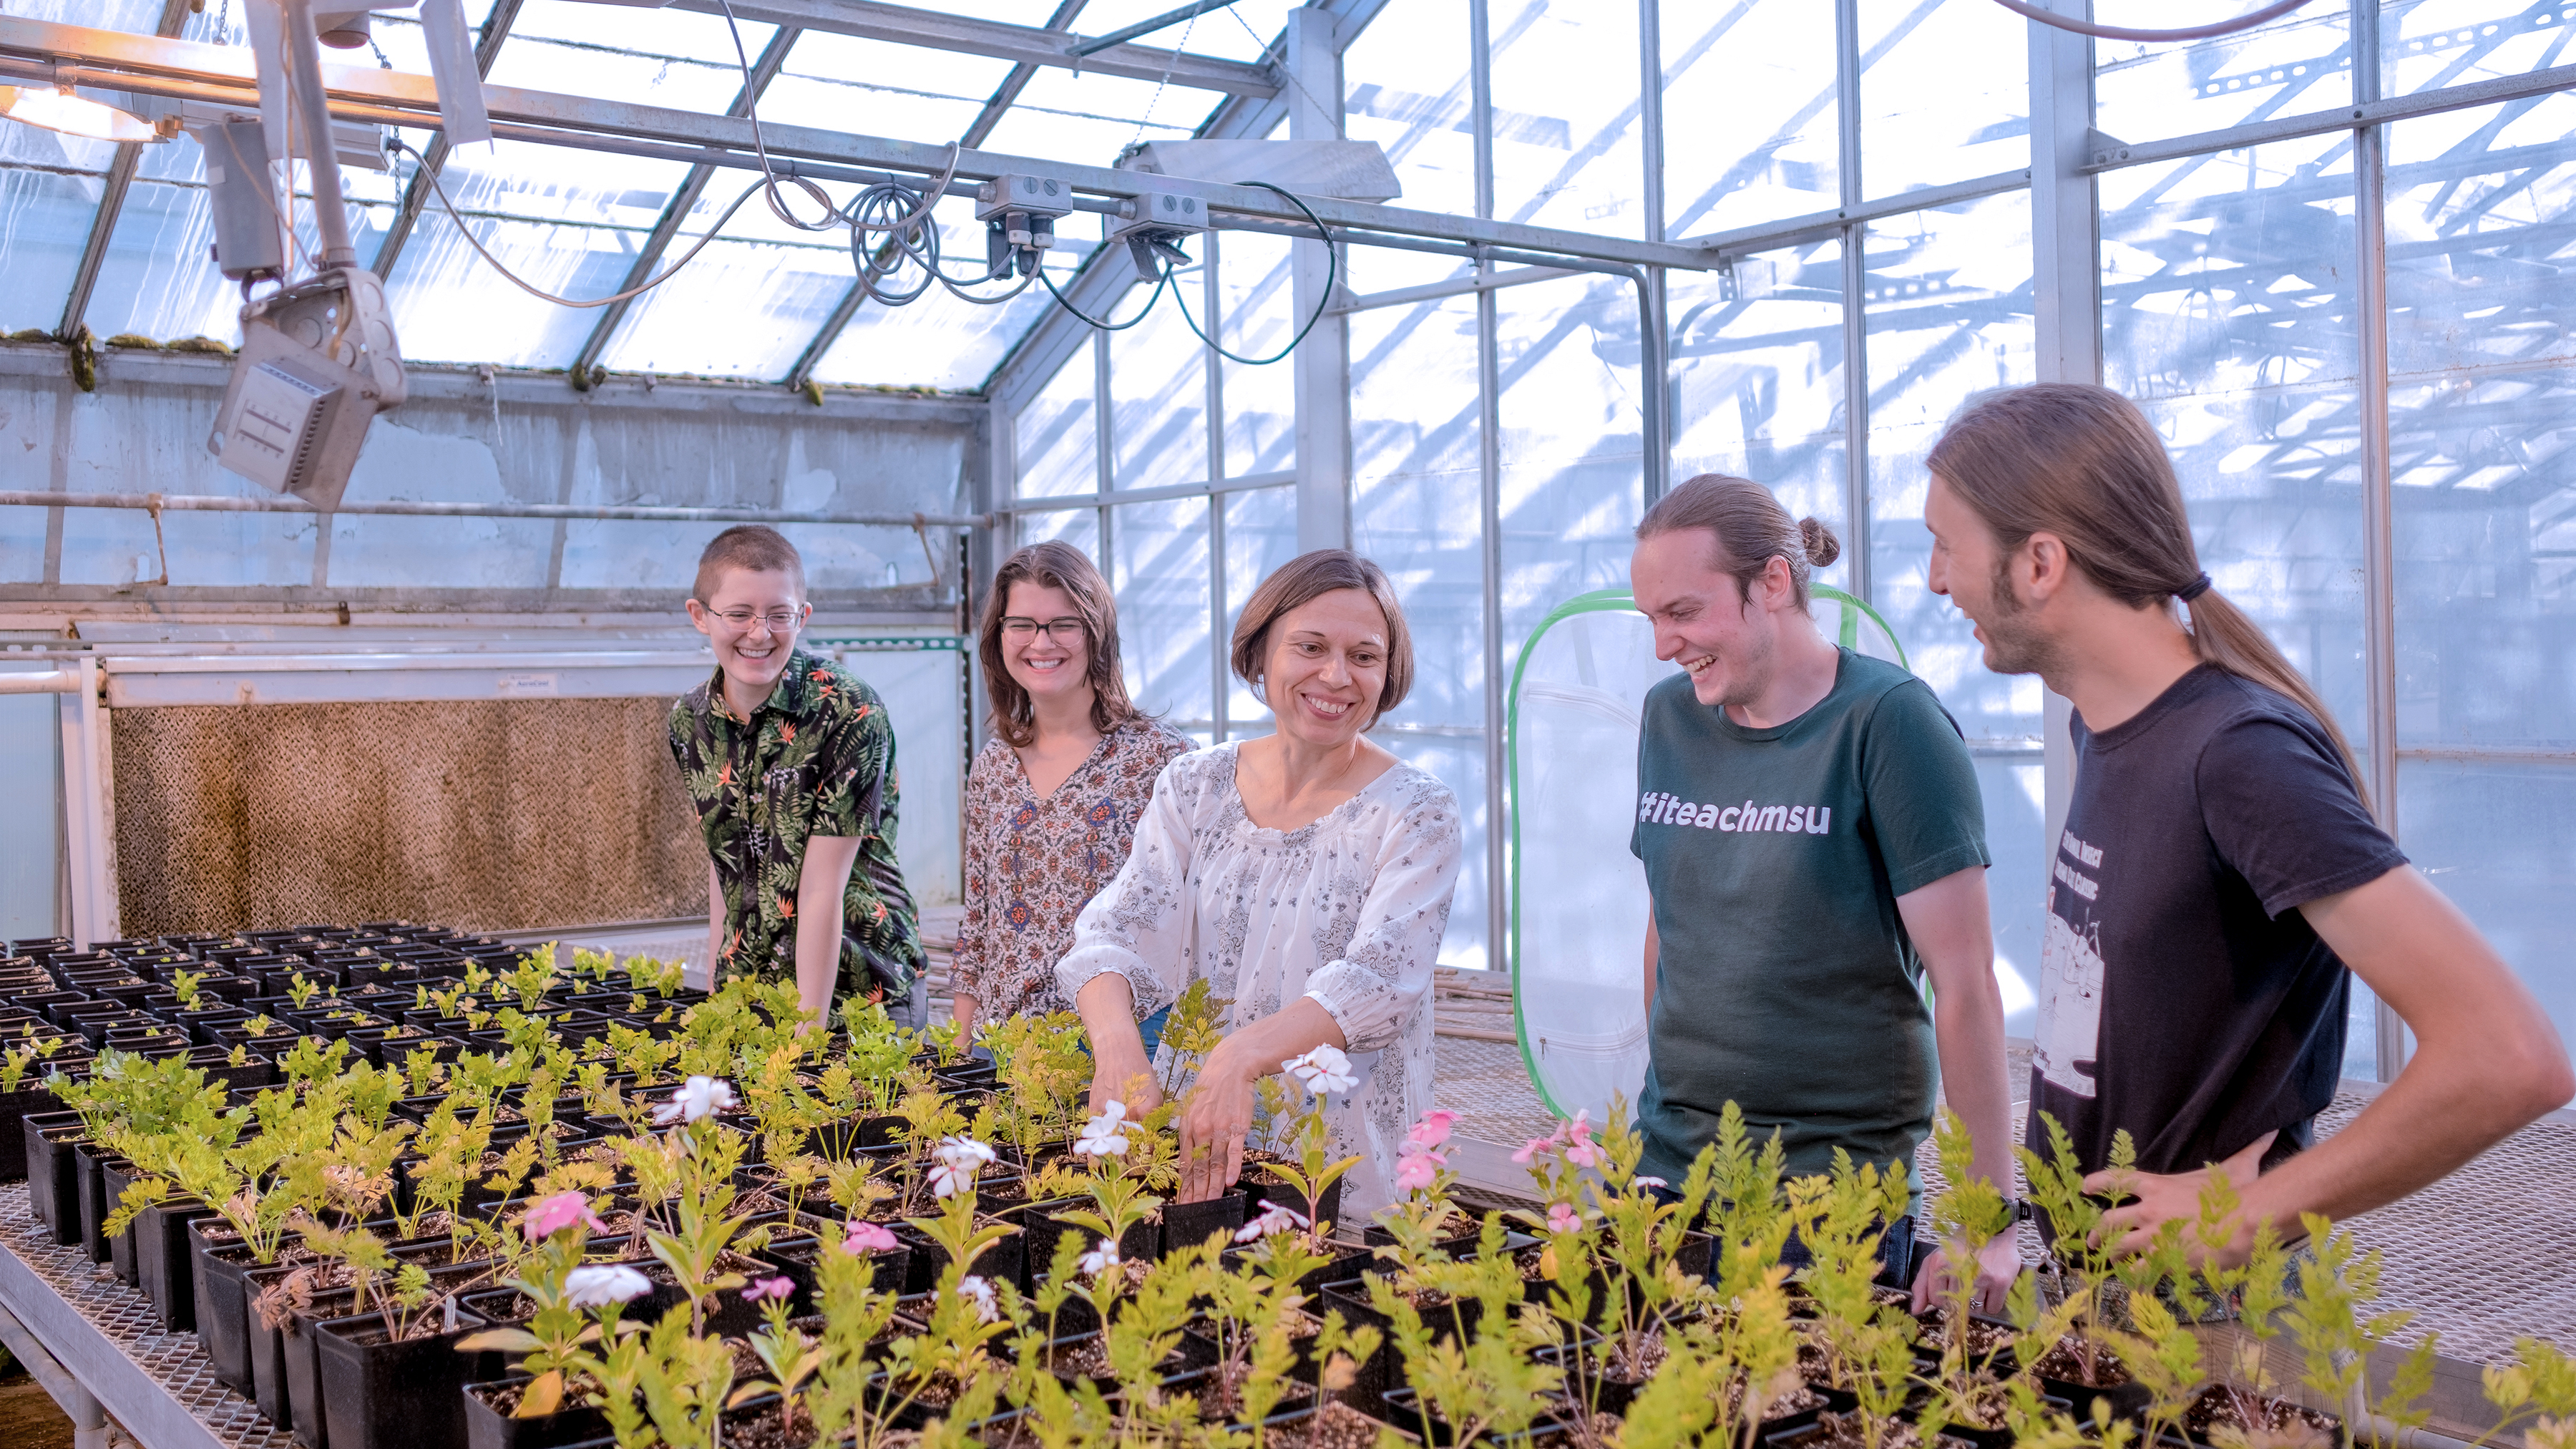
(318, 361)
(1019, 213)
(1152, 225)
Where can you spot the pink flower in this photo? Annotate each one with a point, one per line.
(1432, 1130)
(548, 1216)
(1533, 1148)
(1417, 1170)
(761, 1288)
(868, 1238)
(1562, 1218)
(1578, 1136)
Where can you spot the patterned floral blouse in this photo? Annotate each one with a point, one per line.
(1031, 864)
(1348, 910)
(801, 766)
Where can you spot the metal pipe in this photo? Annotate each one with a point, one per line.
(640, 513)
(2378, 503)
(1147, 26)
(1654, 359)
(1855, 311)
(321, 158)
(1489, 502)
(40, 681)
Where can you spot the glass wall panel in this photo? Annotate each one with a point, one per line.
(1573, 478)
(1161, 580)
(1944, 93)
(1757, 361)
(1157, 390)
(1077, 526)
(2428, 44)
(1260, 535)
(1414, 508)
(1406, 86)
(1566, 139)
(2480, 391)
(2297, 64)
(1751, 114)
(1256, 309)
(1948, 304)
(50, 184)
(1055, 440)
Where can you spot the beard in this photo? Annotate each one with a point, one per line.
(2014, 643)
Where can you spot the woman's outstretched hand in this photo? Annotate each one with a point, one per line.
(1215, 1121)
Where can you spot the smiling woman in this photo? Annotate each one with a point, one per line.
(1304, 875)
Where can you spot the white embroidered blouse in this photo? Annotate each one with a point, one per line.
(1348, 910)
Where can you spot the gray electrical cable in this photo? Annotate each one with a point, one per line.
(2154, 37)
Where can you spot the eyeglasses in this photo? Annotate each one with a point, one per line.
(1060, 631)
(778, 620)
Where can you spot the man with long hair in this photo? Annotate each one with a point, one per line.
(2219, 869)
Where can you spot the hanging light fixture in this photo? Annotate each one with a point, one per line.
(56, 108)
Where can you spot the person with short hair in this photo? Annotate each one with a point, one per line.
(1054, 796)
(789, 761)
(2219, 878)
(1815, 850)
(1305, 875)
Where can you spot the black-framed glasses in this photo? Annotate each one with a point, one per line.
(1067, 630)
(778, 620)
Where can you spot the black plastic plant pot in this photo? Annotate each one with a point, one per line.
(1306, 1428)
(1346, 1263)
(221, 1270)
(1005, 1262)
(115, 1176)
(1819, 1433)
(1260, 1190)
(1443, 1318)
(488, 1427)
(1985, 1438)
(162, 1260)
(88, 1158)
(31, 1099)
(2128, 1401)
(1202, 1382)
(796, 1260)
(1141, 1243)
(394, 1395)
(1188, 1224)
(1181, 1360)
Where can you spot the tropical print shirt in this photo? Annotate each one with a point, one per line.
(802, 765)
(1032, 864)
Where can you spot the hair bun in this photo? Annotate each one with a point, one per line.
(1822, 547)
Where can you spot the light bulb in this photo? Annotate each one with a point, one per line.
(60, 110)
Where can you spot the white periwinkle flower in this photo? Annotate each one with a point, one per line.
(980, 1293)
(1273, 1218)
(698, 1099)
(1101, 1136)
(958, 1159)
(602, 1284)
(1325, 1069)
(1101, 1259)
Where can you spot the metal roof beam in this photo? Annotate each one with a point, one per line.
(111, 203)
(773, 58)
(1022, 44)
(977, 132)
(487, 50)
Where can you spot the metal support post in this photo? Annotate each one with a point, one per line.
(1654, 358)
(1323, 360)
(1856, 547)
(88, 1416)
(2378, 502)
(313, 114)
(2066, 280)
(1489, 499)
(1212, 301)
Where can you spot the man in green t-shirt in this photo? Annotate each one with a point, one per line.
(1815, 844)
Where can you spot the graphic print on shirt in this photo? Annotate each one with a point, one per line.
(2070, 992)
(1657, 807)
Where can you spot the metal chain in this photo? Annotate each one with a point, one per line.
(1168, 67)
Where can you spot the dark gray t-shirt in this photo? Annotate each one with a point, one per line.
(1786, 982)
(2182, 995)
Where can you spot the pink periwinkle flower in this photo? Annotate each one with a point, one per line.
(1578, 1138)
(1562, 1218)
(1432, 1129)
(548, 1216)
(761, 1288)
(868, 1238)
(1417, 1170)
(1533, 1148)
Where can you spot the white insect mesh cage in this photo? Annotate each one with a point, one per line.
(1579, 904)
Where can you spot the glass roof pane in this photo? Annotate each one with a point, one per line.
(1056, 437)
(738, 309)
(849, 106)
(1406, 88)
(1158, 388)
(1565, 117)
(1241, 31)
(2297, 64)
(944, 343)
(1090, 119)
(44, 225)
(646, 57)
(157, 279)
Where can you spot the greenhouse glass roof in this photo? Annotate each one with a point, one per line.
(763, 299)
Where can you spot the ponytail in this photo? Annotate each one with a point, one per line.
(2083, 463)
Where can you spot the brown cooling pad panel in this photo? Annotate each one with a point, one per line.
(479, 814)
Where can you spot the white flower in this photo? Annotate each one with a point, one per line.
(1101, 1259)
(1325, 1069)
(1101, 1137)
(698, 1099)
(602, 1284)
(980, 1293)
(959, 1159)
(1273, 1218)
